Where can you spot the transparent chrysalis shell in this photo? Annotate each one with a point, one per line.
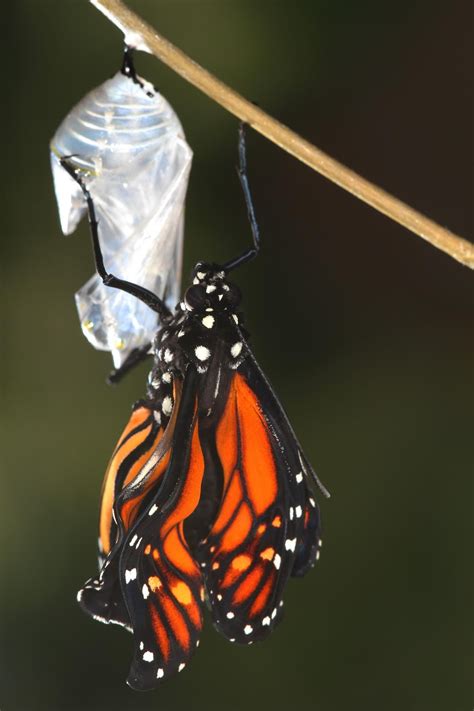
(130, 148)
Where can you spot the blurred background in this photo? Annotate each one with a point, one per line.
(376, 374)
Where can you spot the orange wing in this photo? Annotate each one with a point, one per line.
(161, 582)
(252, 546)
(101, 596)
(139, 438)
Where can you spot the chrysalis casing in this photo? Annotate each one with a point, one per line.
(130, 147)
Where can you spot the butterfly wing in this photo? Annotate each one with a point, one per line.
(259, 534)
(160, 580)
(101, 596)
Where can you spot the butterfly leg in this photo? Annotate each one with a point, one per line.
(148, 297)
(133, 359)
(251, 253)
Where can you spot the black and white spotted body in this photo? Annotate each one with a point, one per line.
(206, 327)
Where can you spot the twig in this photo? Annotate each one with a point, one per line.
(142, 36)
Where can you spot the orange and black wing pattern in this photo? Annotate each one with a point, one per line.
(161, 581)
(259, 533)
(101, 596)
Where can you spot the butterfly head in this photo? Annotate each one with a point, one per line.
(210, 290)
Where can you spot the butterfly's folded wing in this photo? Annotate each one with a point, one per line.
(161, 582)
(260, 534)
(101, 596)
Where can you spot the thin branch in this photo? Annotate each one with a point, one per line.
(142, 36)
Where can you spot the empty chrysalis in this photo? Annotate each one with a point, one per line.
(129, 146)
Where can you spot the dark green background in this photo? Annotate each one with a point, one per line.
(364, 329)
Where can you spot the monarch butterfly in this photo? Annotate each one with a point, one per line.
(127, 140)
(207, 497)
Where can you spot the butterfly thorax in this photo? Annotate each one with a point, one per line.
(205, 333)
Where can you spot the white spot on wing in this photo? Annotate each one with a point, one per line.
(277, 561)
(181, 666)
(230, 615)
(266, 621)
(290, 544)
(299, 512)
(148, 657)
(152, 510)
(145, 591)
(133, 541)
(236, 349)
(248, 629)
(299, 478)
(160, 674)
(130, 575)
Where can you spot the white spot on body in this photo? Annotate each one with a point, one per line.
(167, 405)
(168, 355)
(236, 349)
(208, 321)
(290, 544)
(201, 275)
(210, 289)
(180, 333)
(153, 509)
(148, 657)
(202, 353)
(248, 629)
(166, 377)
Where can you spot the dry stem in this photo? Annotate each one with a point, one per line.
(142, 36)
